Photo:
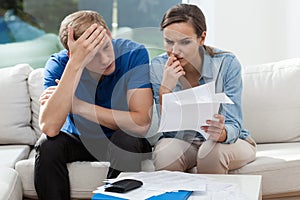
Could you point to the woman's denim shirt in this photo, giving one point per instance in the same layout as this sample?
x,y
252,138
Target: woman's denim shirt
x,y
223,68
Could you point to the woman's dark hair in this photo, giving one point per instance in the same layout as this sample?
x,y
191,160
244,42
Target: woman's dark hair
x,y
187,13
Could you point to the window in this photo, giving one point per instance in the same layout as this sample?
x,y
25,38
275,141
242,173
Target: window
x,y
120,15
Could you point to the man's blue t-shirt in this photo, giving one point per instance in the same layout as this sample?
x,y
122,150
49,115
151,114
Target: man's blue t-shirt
x,y
131,71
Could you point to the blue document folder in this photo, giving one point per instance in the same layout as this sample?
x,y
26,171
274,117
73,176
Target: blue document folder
x,y
180,195
99,196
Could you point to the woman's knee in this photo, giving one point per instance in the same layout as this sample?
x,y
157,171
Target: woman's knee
x,y
168,155
214,162
159,159
163,161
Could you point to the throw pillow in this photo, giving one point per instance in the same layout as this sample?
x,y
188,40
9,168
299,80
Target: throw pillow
x,y
271,99
35,86
15,115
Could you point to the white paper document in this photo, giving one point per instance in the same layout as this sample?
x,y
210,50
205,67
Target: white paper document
x,y
220,190
172,181
189,109
159,182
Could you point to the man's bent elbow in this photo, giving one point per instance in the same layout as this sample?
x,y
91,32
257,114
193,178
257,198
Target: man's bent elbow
x,y
49,130
145,126
143,130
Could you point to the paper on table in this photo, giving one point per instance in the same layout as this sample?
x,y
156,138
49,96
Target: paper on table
x,y
169,181
189,109
159,182
220,190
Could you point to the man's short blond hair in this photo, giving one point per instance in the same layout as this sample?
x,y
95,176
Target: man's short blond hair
x,y
80,21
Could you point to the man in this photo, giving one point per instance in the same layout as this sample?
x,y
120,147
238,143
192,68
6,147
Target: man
x,y
96,104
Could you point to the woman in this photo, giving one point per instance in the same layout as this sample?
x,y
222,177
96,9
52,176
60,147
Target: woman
x,y
187,63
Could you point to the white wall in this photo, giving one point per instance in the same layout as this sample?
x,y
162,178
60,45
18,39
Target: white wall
x,y
257,31
293,28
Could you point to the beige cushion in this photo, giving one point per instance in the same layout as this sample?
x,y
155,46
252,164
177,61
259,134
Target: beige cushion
x,y
271,101
10,184
15,115
84,177
35,86
279,165
10,154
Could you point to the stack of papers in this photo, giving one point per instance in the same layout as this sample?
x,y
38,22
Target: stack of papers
x,y
167,185
189,109
159,182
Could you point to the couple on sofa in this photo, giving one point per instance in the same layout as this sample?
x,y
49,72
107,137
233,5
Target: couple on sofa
x,y
98,98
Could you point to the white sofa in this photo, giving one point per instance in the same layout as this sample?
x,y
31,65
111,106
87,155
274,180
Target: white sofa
x,y
271,107
271,103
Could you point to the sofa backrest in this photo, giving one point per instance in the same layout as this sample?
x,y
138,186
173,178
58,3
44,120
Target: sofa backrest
x,y
35,88
271,101
18,102
20,105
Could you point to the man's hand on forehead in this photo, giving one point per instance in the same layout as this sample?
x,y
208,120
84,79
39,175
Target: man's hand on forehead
x,y
87,45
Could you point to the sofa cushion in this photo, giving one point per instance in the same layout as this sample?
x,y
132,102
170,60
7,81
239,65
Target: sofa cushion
x,y
84,181
271,99
33,52
84,177
10,154
35,86
279,165
15,116
10,184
